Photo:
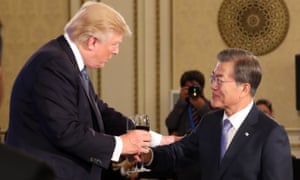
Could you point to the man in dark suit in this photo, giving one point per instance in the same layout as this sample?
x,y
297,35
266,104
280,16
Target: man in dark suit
x,y
256,147
55,114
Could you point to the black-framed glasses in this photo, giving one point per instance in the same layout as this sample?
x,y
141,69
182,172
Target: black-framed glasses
x,y
216,79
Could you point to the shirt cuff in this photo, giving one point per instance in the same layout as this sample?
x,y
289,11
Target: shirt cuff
x,y
123,172
151,159
155,139
118,149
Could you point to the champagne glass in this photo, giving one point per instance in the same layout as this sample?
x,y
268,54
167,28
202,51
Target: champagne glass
x,y
141,122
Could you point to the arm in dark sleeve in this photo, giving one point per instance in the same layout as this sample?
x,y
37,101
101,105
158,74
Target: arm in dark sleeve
x,y
277,159
115,122
167,158
173,118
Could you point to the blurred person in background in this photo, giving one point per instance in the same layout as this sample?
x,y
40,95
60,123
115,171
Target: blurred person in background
x,y
265,106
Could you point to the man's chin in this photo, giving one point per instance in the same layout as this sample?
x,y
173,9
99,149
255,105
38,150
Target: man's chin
x,y
100,65
215,104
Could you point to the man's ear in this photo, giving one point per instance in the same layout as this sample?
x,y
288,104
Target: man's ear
x,y
246,88
91,42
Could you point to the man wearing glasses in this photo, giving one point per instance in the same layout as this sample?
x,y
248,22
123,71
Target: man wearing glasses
x,y
237,142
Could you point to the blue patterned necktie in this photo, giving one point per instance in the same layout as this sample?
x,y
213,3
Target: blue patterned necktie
x,y
226,127
85,78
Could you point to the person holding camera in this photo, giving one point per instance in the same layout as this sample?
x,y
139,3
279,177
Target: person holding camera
x,y
191,105
187,114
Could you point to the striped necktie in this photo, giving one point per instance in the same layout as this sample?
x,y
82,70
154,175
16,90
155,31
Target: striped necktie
x,y
195,116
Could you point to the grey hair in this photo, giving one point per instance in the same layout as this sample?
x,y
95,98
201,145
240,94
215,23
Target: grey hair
x,y
246,66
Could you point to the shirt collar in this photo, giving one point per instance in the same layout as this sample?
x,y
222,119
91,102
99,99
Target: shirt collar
x,y
238,118
76,52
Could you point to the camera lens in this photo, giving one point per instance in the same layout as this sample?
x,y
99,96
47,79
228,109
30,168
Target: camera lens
x,y
194,91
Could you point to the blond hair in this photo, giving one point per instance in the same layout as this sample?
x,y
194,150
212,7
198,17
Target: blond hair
x,y
98,20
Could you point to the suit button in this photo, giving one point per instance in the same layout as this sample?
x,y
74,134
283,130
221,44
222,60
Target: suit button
x,y
95,161
98,162
92,159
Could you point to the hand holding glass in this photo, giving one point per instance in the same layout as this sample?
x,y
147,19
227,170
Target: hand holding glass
x,y
142,122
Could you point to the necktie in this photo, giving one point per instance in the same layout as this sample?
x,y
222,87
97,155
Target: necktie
x,y
195,116
226,127
85,78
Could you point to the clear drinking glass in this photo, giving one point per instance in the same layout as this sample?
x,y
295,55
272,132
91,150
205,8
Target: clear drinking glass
x,y
141,121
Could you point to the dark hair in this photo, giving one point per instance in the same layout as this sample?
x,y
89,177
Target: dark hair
x,y
192,75
265,102
246,67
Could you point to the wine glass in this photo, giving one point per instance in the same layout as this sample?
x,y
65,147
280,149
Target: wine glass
x,y
141,122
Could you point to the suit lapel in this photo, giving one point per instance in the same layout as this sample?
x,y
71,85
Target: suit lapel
x,y
242,136
90,96
96,108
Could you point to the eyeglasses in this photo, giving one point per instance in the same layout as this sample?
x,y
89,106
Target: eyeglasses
x,y
216,79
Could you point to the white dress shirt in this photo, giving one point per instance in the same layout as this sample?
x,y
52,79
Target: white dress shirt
x,y
236,120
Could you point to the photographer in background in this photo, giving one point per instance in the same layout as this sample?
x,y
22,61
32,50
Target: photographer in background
x,y
187,114
191,106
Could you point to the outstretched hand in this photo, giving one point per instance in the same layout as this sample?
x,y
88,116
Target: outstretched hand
x,y
165,140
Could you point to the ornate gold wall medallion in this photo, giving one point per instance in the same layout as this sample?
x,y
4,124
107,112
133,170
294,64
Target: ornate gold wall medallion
x,y
259,26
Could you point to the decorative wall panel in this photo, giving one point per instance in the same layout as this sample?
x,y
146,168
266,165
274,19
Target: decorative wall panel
x,y
256,25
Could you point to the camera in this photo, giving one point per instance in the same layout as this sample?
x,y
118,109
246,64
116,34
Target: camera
x,y
194,91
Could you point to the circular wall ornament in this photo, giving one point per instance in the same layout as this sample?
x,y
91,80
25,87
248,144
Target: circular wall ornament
x,y
259,26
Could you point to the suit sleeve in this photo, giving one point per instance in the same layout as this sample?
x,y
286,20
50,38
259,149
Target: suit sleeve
x,y
167,158
277,159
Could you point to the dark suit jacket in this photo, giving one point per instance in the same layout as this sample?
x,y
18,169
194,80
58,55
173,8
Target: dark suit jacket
x,y
260,150
15,165
52,116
